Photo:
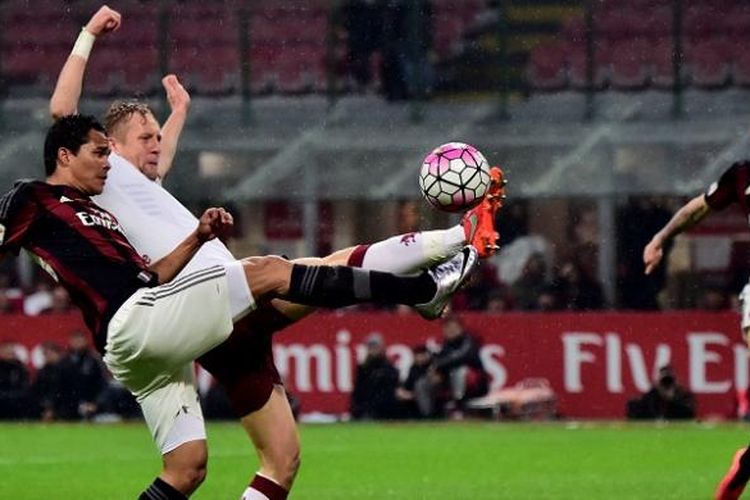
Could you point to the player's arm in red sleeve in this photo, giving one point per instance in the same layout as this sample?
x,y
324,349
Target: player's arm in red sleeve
x,y
718,196
686,217
179,103
213,223
69,85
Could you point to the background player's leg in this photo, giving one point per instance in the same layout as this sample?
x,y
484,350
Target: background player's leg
x,y
274,434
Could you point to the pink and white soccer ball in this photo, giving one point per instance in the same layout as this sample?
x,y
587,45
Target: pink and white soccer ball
x,y
454,177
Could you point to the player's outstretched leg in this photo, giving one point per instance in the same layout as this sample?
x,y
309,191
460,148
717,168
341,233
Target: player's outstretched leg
x,y
479,222
341,286
733,483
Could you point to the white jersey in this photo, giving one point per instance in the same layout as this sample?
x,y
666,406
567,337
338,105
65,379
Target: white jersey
x,y
153,220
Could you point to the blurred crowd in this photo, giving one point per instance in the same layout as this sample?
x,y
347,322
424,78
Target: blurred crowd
x,y
439,383
71,384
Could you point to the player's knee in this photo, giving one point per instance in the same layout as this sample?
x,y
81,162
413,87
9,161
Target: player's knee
x,y
188,473
285,465
194,476
267,275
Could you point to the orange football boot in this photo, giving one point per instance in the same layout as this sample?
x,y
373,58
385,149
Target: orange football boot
x,y
479,222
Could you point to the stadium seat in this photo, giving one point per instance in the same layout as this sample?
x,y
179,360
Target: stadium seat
x,y
656,22
700,22
576,56
736,23
615,25
741,62
547,69
140,68
662,70
630,63
207,70
708,63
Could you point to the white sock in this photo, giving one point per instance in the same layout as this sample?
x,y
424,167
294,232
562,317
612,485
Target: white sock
x,y
253,494
409,252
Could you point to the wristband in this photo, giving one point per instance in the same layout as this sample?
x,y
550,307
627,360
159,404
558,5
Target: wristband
x,y
83,45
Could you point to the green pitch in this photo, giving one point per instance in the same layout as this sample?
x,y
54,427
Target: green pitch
x,y
390,461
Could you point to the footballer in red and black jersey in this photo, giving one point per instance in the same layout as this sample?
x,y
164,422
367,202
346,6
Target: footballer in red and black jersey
x,y
80,244
733,187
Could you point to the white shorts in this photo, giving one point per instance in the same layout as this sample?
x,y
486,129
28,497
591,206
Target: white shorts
x,y
155,336
173,412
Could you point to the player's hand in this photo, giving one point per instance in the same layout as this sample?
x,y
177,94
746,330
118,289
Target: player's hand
x,y
105,20
178,97
652,255
215,222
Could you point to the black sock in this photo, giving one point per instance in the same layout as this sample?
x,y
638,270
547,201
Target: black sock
x,y
160,490
339,286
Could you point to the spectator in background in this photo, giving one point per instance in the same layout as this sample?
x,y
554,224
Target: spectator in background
x,y
666,399
363,24
61,303
375,382
532,282
50,388
514,221
6,305
499,301
38,301
115,402
413,394
713,299
406,44
576,290
636,223
547,300
457,373
14,384
83,375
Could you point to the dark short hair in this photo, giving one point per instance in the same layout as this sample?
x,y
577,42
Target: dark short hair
x,y
69,132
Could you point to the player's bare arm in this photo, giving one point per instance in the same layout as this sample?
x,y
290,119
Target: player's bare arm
x,y
215,222
69,85
179,103
686,217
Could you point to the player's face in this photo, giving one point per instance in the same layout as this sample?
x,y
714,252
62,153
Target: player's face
x,y
141,143
87,171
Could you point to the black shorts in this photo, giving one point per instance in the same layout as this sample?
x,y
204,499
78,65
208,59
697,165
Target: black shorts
x,y
243,364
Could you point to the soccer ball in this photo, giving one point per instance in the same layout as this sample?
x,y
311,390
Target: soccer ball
x,y
454,177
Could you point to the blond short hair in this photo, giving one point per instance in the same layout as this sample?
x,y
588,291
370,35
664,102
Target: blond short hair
x,y
121,111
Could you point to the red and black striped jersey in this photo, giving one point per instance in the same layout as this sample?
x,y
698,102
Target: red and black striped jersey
x,y
80,244
732,187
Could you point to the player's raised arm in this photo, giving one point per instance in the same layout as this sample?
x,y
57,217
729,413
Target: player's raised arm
x,y
213,223
69,85
686,217
179,103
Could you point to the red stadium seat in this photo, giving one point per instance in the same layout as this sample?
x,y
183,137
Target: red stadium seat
x,y
577,65
614,25
630,63
741,62
140,68
547,67
662,71
700,22
708,63
736,23
657,22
